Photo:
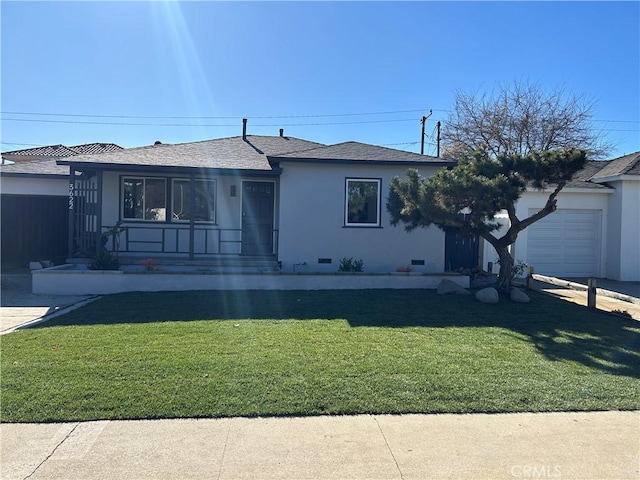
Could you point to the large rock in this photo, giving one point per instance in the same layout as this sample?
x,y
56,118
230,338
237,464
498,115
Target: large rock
x,y
488,295
447,287
519,296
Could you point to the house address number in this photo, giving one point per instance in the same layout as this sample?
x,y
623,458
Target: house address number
x,y
71,196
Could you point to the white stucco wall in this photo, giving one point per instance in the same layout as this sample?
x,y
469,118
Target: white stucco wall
x,y
582,199
488,254
312,206
623,248
587,199
614,237
34,186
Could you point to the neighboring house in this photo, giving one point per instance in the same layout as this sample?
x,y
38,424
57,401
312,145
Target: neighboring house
x,y
34,203
595,231
287,200
57,151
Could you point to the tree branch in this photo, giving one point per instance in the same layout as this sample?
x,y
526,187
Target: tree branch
x,y
549,208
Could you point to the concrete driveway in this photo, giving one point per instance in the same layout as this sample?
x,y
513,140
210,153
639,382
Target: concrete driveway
x,y
19,306
627,288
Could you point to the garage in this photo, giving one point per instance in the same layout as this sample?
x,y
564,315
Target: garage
x,y
566,243
33,228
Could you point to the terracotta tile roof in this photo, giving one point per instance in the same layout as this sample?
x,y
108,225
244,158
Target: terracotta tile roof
x,y
222,153
60,151
57,151
30,164
356,151
92,148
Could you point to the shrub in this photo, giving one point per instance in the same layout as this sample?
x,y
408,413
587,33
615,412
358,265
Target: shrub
x,y
351,265
151,265
104,260
519,270
405,268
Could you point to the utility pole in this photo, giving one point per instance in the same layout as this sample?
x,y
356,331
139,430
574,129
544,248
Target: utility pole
x,y
438,139
423,122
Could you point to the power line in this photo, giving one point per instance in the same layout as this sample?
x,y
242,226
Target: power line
x,y
139,124
404,143
79,122
145,117
237,117
22,144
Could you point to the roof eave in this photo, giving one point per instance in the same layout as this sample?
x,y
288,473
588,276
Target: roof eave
x,y
442,163
603,189
57,176
615,178
123,167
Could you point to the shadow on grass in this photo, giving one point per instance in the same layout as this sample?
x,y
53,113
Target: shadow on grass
x,y
560,330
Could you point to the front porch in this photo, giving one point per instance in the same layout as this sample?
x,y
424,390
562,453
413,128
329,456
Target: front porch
x,y
183,221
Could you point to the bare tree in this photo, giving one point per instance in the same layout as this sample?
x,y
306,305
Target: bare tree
x,y
521,119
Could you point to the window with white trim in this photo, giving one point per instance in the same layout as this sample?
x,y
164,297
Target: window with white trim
x,y
362,202
144,199
204,203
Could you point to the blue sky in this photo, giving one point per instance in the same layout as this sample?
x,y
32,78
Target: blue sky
x,y
132,73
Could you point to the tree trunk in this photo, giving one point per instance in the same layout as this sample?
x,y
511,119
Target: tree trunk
x,y
506,269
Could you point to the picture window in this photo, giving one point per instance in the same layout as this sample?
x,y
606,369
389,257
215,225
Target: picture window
x,y
362,202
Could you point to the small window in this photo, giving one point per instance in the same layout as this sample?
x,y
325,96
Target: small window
x,y
362,204
204,202
144,199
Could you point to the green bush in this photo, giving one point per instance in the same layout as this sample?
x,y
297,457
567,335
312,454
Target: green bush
x,y
351,265
104,260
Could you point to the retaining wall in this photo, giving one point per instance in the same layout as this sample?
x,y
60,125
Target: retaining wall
x,y
68,280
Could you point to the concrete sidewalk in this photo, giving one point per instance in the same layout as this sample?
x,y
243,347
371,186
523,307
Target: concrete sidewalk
x,y
579,445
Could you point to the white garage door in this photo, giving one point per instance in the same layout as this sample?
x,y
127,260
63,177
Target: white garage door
x,y
566,243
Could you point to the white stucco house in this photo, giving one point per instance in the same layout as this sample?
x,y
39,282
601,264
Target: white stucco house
x,y
271,200
595,231
301,206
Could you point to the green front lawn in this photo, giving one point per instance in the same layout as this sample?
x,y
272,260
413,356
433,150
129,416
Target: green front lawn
x,y
209,354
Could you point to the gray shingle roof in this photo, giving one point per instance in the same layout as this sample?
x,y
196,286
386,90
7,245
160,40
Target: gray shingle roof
x,y
223,153
625,165
355,151
581,178
35,167
255,153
